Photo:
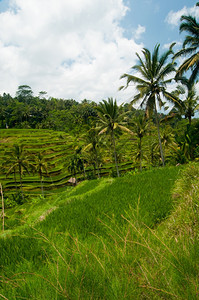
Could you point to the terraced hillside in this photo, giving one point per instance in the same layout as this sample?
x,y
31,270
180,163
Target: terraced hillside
x,y
56,148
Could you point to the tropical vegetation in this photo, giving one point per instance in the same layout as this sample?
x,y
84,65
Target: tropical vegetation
x,y
87,211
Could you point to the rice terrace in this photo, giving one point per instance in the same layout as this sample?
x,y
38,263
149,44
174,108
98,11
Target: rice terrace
x,y
101,200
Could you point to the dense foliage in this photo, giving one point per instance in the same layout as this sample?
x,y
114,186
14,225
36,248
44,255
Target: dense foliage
x,y
134,237
92,137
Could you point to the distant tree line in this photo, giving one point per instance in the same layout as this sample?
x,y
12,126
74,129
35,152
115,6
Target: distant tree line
x,y
27,111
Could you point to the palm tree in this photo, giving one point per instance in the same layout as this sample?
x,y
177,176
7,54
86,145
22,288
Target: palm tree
x,y
186,148
190,104
40,166
92,145
111,117
190,47
72,169
168,142
140,127
18,162
6,166
76,163
151,85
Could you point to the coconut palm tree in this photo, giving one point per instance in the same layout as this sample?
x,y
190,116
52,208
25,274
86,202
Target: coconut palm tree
x,y
111,117
18,162
140,127
72,169
154,71
190,104
76,163
92,146
190,47
40,166
168,142
6,168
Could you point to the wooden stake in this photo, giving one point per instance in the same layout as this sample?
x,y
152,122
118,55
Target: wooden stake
x,y
2,205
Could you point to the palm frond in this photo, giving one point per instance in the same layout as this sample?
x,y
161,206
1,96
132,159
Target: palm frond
x,y
189,62
190,25
165,71
142,68
155,59
162,61
194,73
124,128
103,131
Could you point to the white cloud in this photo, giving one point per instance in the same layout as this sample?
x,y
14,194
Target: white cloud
x,y
173,18
139,31
71,49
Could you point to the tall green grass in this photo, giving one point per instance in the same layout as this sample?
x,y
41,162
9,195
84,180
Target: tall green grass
x,y
110,239
81,215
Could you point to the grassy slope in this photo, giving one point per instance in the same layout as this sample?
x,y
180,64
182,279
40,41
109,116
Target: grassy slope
x,y
100,241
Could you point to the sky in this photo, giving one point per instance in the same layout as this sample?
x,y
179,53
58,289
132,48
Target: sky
x,y
79,49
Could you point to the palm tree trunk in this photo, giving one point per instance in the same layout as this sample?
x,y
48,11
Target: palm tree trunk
x,y
159,138
84,169
150,145
115,154
75,181
20,178
140,146
98,173
189,117
42,187
15,180
41,181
